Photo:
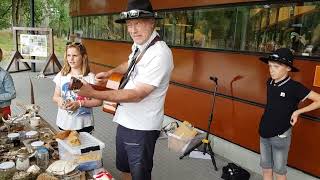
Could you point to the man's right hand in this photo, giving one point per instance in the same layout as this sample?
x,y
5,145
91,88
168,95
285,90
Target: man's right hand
x,y
102,77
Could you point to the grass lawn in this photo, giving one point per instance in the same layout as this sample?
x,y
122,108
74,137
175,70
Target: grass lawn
x,y
59,46
7,45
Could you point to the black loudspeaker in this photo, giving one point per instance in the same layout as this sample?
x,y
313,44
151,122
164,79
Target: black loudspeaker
x,y
234,172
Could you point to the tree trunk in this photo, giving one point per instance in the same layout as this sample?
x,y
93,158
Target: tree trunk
x,y
46,14
15,10
20,13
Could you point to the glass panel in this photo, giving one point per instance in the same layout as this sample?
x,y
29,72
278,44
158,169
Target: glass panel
x,y
90,27
180,28
113,31
103,27
94,27
215,28
83,26
253,28
160,25
310,30
169,28
266,28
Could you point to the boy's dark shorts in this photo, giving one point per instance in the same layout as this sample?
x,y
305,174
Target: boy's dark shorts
x,y
135,149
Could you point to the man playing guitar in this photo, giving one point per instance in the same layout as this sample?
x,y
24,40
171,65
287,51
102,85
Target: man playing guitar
x,y
141,96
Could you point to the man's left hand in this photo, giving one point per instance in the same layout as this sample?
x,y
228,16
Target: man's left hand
x,y
86,90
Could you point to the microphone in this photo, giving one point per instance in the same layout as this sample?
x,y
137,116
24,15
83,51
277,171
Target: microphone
x,y
214,79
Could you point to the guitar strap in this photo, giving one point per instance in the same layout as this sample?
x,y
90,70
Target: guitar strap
x,y
134,62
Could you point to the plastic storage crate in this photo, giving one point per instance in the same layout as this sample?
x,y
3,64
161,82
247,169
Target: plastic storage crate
x,y
179,140
177,143
88,155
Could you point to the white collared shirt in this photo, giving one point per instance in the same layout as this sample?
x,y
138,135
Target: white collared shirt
x,y
154,69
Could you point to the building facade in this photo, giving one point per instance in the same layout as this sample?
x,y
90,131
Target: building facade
x,y
222,39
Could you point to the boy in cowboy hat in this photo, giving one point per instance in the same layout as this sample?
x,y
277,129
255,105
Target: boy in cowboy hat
x,y
7,91
281,113
142,93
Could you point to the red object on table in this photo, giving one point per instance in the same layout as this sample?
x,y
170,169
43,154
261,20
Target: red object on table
x,y
103,175
5,111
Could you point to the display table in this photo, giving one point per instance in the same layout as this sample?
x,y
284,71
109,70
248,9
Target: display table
x,y
24,151
16,138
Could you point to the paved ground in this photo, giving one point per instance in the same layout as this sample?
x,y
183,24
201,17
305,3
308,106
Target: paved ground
x,y
167,165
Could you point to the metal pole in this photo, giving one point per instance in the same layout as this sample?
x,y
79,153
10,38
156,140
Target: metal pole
x,y
32,12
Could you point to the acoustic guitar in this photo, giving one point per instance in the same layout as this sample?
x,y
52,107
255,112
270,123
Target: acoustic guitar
x,y
113,83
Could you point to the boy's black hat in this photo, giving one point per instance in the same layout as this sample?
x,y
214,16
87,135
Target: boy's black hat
x,y
138,9
283,56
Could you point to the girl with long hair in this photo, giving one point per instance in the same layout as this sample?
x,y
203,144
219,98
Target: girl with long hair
x,y
74,112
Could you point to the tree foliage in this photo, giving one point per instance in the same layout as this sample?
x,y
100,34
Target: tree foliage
x,y
5,13
48,13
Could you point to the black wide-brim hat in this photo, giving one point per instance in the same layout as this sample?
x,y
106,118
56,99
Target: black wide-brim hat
x,y
283,56
144,9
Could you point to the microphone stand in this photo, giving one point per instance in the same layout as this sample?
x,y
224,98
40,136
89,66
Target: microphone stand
x,y
206,142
